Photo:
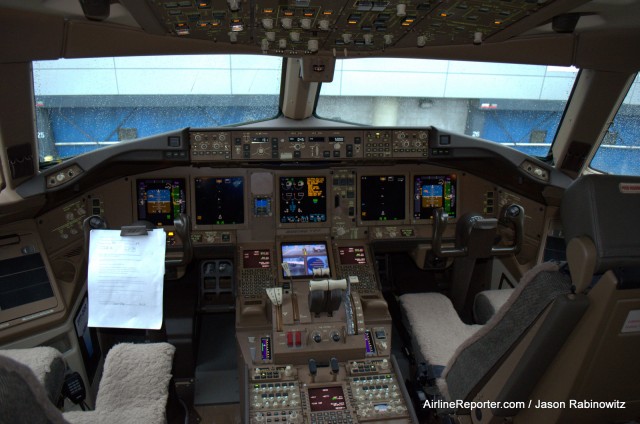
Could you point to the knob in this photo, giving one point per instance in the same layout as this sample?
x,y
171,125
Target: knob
x,y
305,23
368,39
295,36
265,45
271,36
312,45
259,417
317,338
346,38
324,25
233,37
335,337
234,5
282,43
388,39
401,9
60,177
288,371
422,41
513,211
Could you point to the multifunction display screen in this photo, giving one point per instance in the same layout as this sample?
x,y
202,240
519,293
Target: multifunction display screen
x,y
327,399
382,197
303,199
303,258
431,192
219,200
352,255
256,258
160,201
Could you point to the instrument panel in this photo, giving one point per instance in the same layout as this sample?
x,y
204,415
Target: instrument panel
x,y
261,184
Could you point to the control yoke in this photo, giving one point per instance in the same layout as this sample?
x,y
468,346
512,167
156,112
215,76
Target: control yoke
x,y
475,238
182,224
475,234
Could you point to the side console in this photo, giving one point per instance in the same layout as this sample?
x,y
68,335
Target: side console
x,y
315,339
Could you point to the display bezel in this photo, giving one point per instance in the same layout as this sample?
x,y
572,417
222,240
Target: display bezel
x,y
451,219
319,240
243,260
193,199
365,223
136,193
354,262
278,203
454,179
311,391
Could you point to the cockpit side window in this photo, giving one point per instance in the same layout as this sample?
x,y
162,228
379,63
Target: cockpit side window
x,y
517,105
87,104
619,151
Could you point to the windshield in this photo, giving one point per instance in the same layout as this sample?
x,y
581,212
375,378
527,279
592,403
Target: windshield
x,y
619,151
87,104
517,105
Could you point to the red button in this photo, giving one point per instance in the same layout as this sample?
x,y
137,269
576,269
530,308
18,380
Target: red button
x,y
298,339
289,339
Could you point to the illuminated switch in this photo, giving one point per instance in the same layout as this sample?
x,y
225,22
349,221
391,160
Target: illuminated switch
x,y
298,341
267,23
289,339
305,23
287,23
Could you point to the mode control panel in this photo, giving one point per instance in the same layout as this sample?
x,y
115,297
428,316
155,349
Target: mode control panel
x,y
308,145
295,145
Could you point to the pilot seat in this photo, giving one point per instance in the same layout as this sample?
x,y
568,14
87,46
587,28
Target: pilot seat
x,y
558,335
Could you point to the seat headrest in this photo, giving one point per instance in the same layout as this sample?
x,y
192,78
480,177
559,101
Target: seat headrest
x,y
605,208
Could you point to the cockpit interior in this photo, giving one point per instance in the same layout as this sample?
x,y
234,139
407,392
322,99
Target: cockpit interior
x,y
303,211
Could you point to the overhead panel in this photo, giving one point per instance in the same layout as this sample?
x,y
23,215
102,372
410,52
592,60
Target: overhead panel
x,y
302,27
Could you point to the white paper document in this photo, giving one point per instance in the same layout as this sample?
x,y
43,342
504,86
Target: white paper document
x,y
125,279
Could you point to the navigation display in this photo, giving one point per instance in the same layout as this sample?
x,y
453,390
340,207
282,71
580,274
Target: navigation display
x,y
327,399
303,199
303,258
219,200
352,255
256,258
434,191
382,197
160,201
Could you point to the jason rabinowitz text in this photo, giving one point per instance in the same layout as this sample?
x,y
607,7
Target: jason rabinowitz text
x,y
538,404
581,404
